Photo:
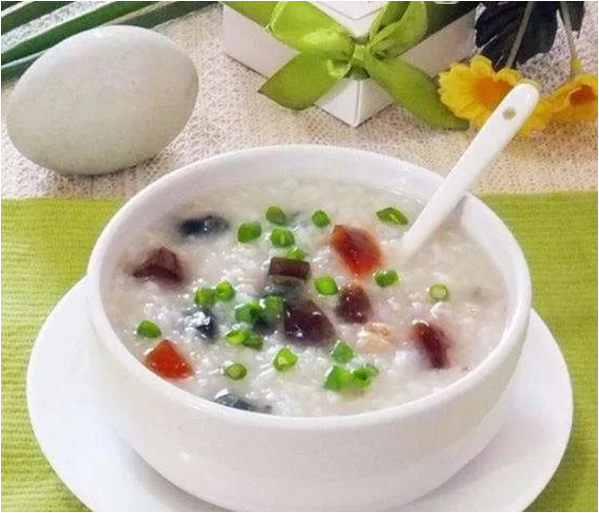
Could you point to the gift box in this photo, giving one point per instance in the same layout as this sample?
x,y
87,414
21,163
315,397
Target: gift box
x,y
449,38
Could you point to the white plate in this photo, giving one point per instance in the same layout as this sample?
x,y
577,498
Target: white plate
x,y
75,434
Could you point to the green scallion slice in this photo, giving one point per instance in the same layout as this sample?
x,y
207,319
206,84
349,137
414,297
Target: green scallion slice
x,y
282,238
342,353
391,215
235,371
321,219
271,308
284,360
148,329
247,312
276,215
296,253
338,378
371,369
326,285
225,291
238,336
248,232
204,297
254,341
386,278
438,292
361,378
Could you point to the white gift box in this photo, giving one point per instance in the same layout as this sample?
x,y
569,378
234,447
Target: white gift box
x,y
352,101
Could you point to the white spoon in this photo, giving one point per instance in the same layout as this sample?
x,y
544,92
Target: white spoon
x,y
495,134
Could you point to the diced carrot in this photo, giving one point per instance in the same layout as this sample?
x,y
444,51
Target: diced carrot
x,y
166,361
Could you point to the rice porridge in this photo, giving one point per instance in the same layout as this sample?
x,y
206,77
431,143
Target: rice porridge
x,y
288,298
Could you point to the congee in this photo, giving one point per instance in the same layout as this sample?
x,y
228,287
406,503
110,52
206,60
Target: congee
x,y
289,298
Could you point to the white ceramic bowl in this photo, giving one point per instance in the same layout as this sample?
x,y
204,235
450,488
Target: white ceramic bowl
x,y
250,461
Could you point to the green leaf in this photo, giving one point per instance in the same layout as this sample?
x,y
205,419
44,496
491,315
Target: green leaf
x,y
415,90
44,40
26,12
156,14
498,24
6,5
402,35
303,80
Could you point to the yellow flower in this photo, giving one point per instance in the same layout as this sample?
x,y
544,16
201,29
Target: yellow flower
x,y
474,91
576,100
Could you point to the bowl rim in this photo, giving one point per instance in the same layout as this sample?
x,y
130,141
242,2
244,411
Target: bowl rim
x,y
110,340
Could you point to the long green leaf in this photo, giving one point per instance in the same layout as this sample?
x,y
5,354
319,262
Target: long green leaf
x,y
168,11
147,18
6,5
58,33
27,12
17,67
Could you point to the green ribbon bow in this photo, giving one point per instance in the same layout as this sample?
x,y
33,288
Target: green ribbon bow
x,y
328,53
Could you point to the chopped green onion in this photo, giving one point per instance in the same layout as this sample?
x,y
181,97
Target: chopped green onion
x,y
254,341
371,369
296,253
391,215
284,360
238,336
248,232
438,292
225,291
147,329
271,308
386,278
321,219
235,371
247,312
342,353
326,285
361,378
276,215
282,238
338,378
205,296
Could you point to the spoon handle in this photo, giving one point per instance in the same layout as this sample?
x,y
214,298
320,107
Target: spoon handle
x,y
496,133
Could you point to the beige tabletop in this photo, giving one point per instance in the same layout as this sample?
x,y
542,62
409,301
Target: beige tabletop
x,y
230,115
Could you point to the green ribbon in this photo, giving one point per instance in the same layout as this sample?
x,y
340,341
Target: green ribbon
x,y
328,53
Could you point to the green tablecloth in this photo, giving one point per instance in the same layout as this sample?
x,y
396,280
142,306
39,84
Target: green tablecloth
x,y
45,248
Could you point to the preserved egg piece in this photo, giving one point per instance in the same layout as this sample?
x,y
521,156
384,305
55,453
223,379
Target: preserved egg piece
x,y
286,276
354,305
232,400
282,268
160,265
306,322
203,226
359,250
166,361
434,342
204,322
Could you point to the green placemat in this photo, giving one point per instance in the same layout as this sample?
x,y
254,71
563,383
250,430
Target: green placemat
x,y
46,243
